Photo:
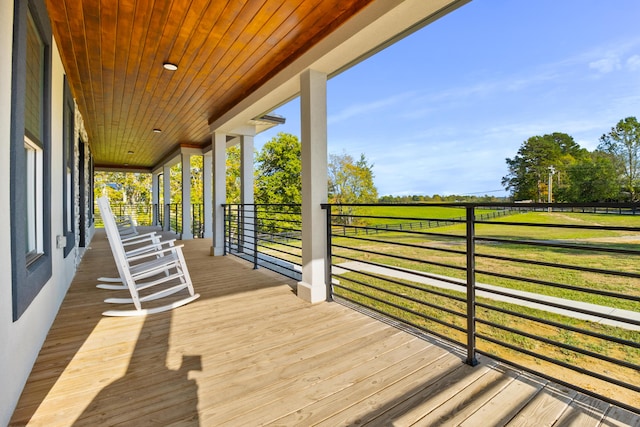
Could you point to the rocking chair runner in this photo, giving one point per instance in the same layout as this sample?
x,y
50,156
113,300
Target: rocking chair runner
x,y
158,273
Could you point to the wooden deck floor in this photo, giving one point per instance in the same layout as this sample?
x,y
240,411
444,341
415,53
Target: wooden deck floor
x,y
249,352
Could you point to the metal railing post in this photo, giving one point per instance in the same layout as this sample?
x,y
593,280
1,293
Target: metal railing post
x,y
328,279
225,231
255,237
471,288
240,228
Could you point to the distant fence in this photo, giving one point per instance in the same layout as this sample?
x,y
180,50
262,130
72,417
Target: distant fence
x,y
354,229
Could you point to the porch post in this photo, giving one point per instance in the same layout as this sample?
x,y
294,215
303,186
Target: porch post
x,y
313,115
166,194
218,149
246,192
155,198
207,163
187,233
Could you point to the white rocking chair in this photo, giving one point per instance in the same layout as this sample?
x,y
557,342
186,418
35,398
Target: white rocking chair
x,y
143,243
163,269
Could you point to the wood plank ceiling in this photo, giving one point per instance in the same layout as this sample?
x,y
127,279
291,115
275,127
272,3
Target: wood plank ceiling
x,y
113,51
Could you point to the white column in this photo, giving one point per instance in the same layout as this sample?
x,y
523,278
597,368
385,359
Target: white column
x,y
246,191
166,193
219,149
313,116
207,163
155,198
187,234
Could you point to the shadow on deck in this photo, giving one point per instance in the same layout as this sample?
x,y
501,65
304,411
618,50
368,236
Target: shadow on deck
x,y
249,352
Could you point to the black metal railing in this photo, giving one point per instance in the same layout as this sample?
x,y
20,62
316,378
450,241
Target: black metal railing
x,y
268,235
142,215
197,220
551,289
556,293
174,212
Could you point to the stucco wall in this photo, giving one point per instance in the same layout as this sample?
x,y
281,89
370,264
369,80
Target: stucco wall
x,y
20,341
7,396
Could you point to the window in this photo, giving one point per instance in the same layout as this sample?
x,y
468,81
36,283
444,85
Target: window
x,y
33,112
30,153
68,160
33,194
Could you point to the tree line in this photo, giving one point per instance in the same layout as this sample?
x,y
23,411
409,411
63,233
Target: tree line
x,y
556,163
277,178
437,198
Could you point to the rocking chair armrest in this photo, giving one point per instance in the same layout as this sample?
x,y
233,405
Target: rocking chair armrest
x,y
154,253
137,237
150,238
154,247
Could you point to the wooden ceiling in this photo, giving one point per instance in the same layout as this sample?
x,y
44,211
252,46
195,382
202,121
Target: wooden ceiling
x,y
113,51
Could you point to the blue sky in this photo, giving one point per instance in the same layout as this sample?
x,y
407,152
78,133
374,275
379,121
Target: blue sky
x,y
438,112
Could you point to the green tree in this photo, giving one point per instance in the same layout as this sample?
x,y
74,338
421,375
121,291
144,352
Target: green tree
x,y
123,187
623,144
529,169
349,181
197,183
593,179
233,174
278,168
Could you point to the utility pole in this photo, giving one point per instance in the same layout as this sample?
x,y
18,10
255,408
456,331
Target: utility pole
x,y
552,170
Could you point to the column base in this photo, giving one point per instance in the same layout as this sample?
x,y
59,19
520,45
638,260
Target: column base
x,y
312,294
216,251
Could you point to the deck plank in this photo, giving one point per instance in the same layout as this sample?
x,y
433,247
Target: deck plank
x,y
583,411
468,400
411,409
249,352
545,408
519,393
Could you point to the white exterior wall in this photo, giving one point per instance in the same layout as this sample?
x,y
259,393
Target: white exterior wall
x,y
20,341
10,389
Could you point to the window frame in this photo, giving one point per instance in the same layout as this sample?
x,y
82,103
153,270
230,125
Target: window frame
x,y
68,170
29,275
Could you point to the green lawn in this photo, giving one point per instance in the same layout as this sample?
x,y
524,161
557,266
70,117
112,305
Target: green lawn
x,y
396,214
436,252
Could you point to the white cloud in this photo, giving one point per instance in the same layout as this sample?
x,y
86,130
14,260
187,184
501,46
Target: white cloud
x,y
356,110
606,65
633,63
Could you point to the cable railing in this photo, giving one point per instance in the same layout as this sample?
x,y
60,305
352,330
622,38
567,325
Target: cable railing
x,y
142,214
268,235
555,293
553,289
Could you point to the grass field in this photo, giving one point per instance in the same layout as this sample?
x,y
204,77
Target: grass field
x,y
404,214
447,256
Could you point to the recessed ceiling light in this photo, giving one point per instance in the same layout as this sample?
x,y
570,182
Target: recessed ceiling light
x,y
169,66
156,130
129,152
